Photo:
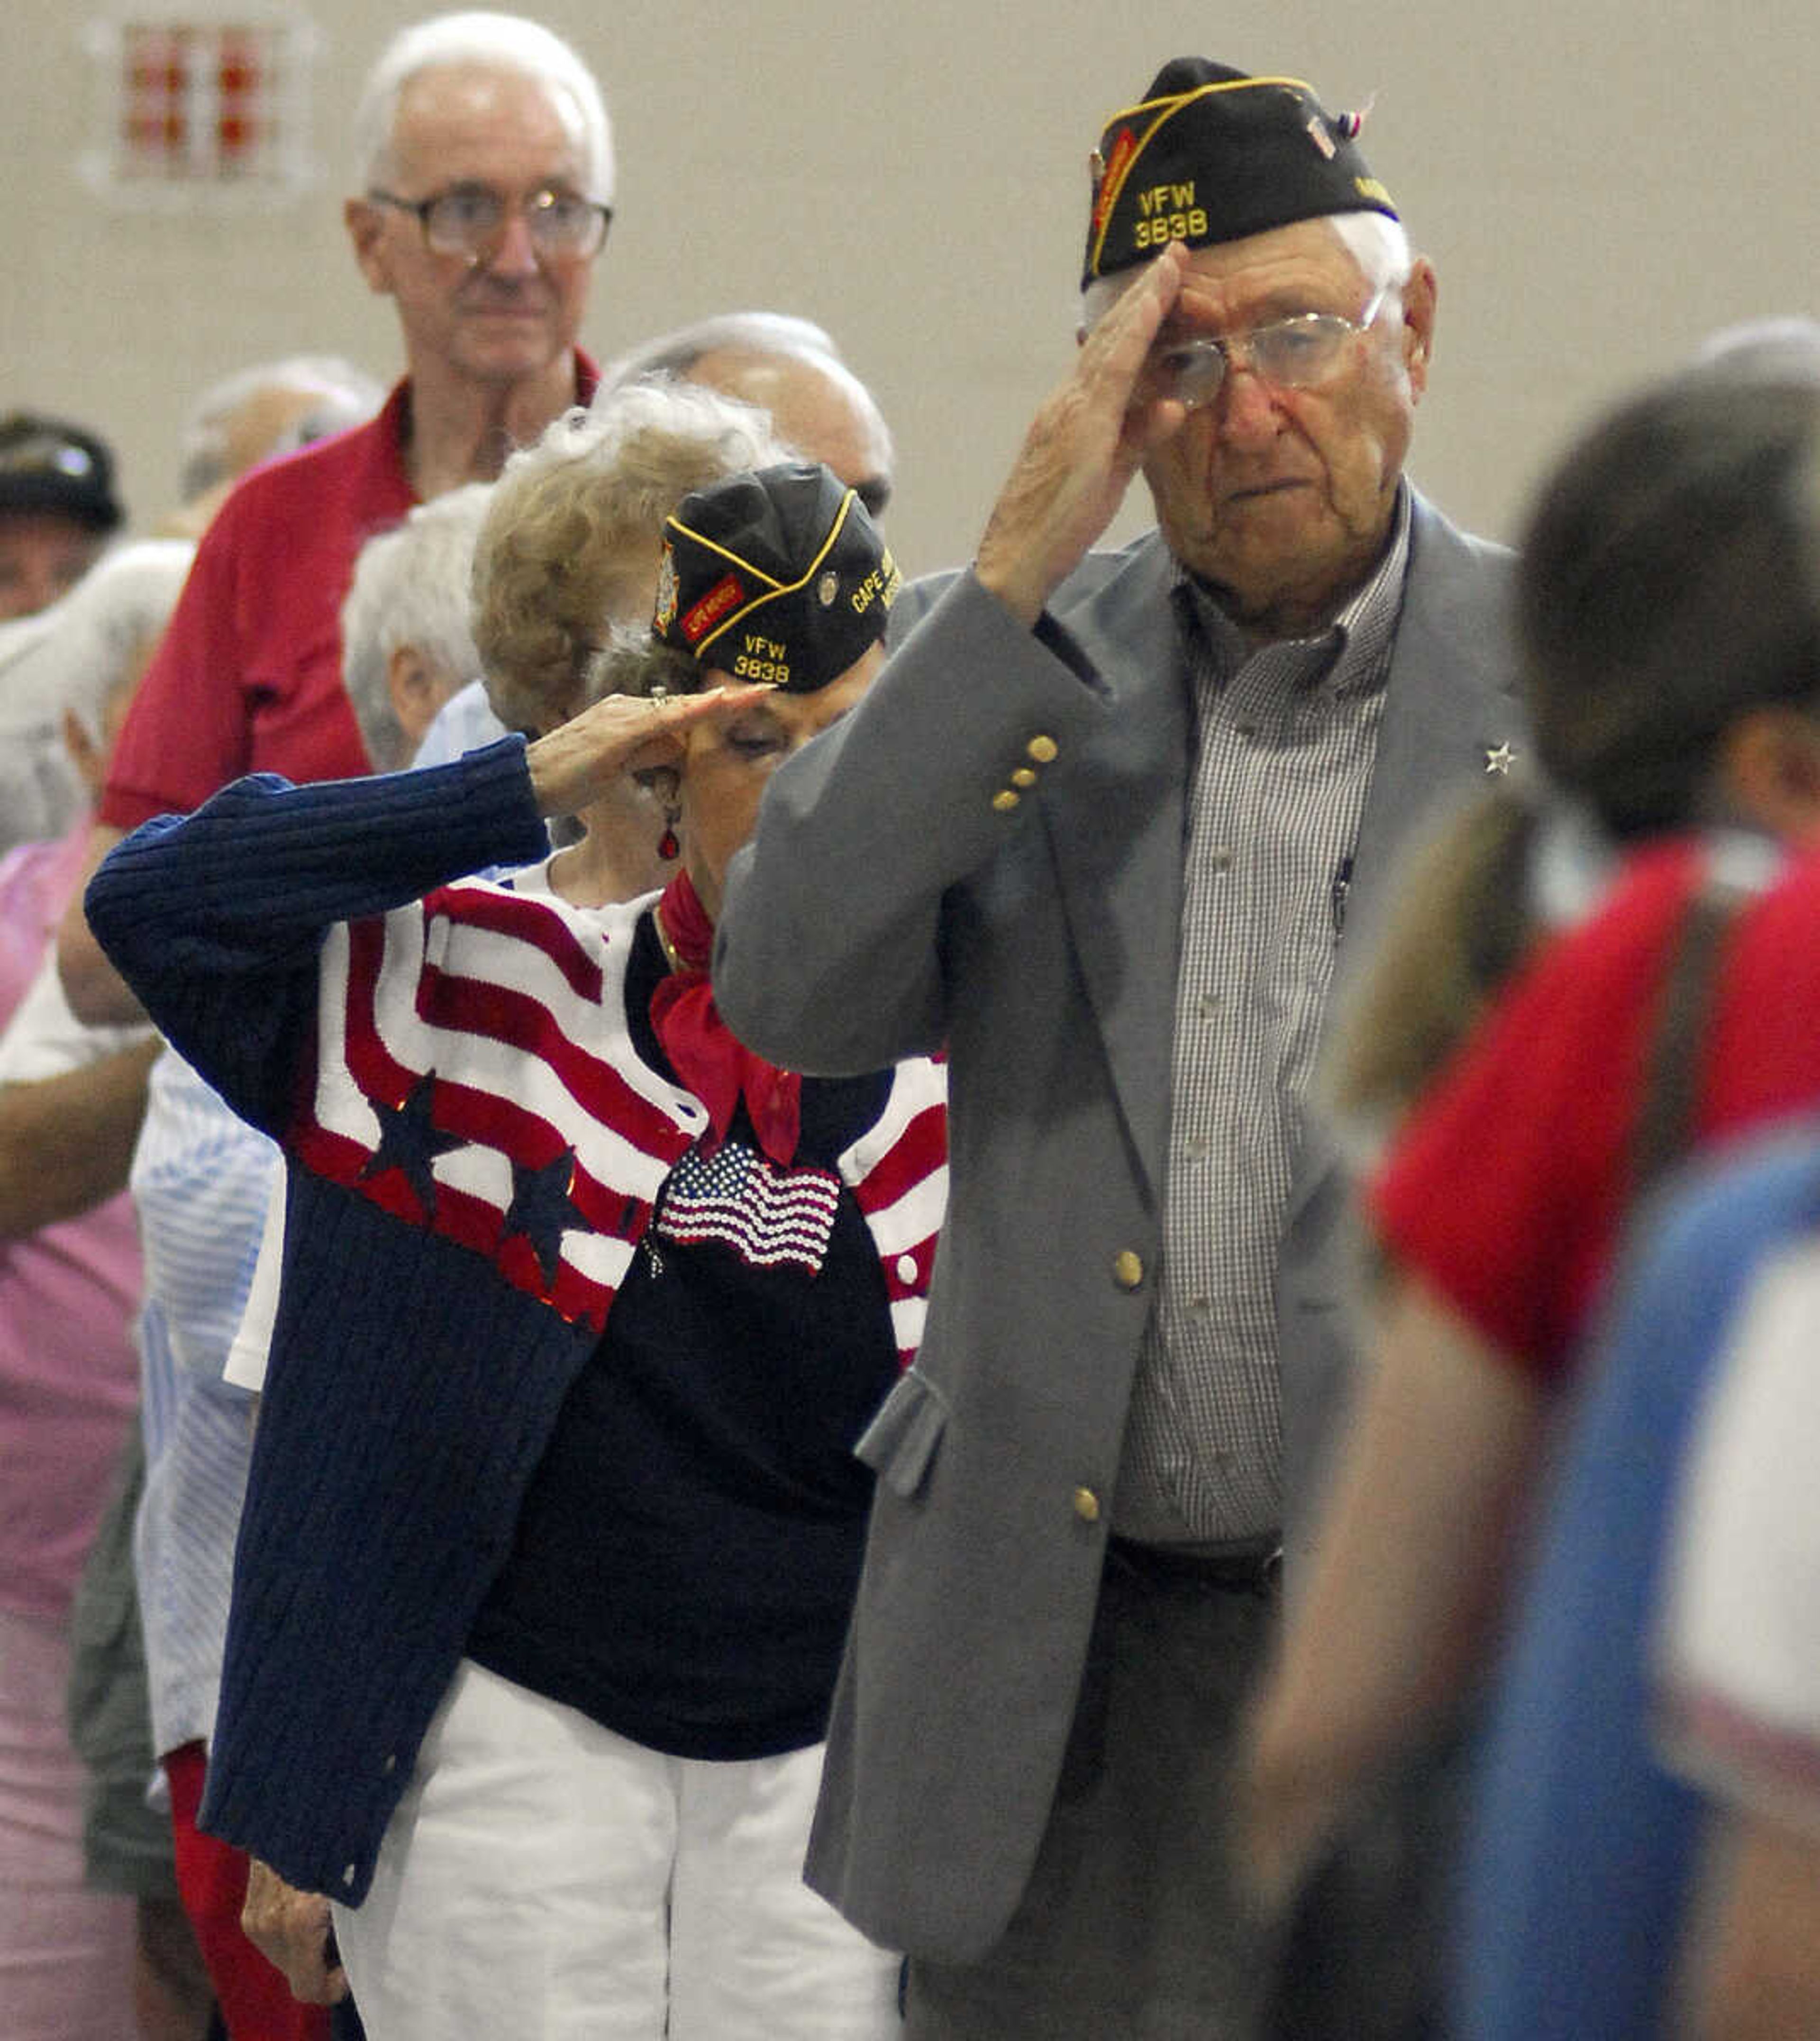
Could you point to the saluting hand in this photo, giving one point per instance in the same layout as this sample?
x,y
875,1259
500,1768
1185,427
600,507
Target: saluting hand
x,y
1084,445
574,764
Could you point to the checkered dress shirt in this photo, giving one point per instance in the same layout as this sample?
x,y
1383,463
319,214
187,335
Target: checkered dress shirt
x,y
1285,738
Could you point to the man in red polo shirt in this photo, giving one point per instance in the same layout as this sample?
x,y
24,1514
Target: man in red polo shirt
x,y
486,163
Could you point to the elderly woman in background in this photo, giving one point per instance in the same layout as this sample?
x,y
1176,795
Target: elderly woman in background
x,y
65,662
554,1520
251,416
72,670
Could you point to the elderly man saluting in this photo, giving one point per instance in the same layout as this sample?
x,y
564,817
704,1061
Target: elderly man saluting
x,y
1097,828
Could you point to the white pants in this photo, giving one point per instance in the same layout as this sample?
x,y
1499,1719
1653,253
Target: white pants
x,y
546,1879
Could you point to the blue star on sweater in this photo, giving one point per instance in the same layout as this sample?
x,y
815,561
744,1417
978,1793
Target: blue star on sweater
x,y
409,1143
540,1211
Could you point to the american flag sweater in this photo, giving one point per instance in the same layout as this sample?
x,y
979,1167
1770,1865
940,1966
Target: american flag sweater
x,y
476,1148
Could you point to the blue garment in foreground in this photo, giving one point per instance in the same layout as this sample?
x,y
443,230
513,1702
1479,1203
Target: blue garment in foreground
x,y
1582,1847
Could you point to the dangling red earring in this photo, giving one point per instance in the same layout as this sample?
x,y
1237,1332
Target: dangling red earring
x,y
667,846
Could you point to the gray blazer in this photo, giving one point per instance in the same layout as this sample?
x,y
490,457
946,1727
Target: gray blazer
x,y
897,898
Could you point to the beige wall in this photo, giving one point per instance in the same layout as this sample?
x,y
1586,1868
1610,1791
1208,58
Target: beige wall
x,y
1600,184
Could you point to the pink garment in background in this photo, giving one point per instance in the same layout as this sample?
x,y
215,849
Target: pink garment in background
x,y
69,1385
69,1371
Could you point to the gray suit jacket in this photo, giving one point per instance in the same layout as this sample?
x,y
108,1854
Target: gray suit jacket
x,y
893,901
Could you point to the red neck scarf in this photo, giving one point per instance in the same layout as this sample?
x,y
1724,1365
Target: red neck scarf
x,y
703,1050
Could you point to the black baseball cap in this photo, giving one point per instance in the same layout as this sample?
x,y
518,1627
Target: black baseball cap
x,y
50,466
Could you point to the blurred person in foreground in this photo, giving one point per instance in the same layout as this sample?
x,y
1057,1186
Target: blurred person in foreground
x,y
1102,829
486,165
1649,1764
1644,1815
1666,566
1736,1688
1517,862
552,1226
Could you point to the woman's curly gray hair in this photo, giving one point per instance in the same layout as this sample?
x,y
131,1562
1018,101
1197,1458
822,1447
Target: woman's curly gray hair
x,y
570,543
633,661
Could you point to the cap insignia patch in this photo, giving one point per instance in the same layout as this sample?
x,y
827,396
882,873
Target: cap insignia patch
x,y
726,594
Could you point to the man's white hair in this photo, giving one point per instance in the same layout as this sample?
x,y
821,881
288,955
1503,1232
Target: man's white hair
x,y
766,336
1788,345
493,42
1380,245
411,587
345,396
675,353
77,655
107,622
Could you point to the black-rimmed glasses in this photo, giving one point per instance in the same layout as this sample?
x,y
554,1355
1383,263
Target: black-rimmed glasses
x,y
470,220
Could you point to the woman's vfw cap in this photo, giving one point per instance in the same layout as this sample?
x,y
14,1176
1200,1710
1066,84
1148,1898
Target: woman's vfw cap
x,y
779,576
1212,154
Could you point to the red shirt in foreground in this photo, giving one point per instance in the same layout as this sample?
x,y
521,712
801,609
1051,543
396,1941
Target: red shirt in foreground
x,y
1508,1186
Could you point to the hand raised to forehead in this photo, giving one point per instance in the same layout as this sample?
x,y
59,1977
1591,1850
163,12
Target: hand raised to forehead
x,y
1083,447
573,765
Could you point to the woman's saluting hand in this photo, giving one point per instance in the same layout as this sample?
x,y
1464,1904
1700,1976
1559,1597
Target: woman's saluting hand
x,y
576,763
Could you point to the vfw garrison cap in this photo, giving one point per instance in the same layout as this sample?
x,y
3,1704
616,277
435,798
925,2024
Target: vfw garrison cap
x,y
1211,155
778,576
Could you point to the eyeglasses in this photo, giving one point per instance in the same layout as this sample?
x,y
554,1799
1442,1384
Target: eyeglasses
x,y
1294,353
470,220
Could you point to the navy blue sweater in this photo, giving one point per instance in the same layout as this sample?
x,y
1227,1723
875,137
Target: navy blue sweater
x,y
476,1150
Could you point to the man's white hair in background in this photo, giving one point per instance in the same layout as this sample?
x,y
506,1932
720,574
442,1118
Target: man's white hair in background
x,y
77,658
407,639
791,368
221,435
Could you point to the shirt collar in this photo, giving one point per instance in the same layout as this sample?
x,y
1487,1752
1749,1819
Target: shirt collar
x,y
1350,649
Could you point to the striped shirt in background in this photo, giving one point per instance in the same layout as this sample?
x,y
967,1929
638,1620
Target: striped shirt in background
x,y
201,1179
1285,737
